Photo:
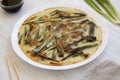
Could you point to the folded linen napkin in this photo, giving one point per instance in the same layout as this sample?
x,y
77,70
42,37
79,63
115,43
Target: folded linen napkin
x,y
107,70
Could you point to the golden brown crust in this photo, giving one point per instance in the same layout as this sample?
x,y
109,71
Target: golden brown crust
x,y
73,33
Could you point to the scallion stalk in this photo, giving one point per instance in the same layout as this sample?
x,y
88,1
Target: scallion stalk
x,y
105,5
111,13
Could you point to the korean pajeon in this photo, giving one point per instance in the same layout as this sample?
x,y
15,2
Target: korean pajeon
x,y
59,36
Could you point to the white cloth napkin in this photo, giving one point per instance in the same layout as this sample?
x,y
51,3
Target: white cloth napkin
x,y
107,70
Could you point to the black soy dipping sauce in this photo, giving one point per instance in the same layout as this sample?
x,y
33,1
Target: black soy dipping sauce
x,y
11,5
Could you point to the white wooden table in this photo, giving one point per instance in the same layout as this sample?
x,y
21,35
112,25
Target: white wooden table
x,y
28,72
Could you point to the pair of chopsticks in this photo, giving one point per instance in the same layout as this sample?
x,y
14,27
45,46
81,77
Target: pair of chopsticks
x,y
15,68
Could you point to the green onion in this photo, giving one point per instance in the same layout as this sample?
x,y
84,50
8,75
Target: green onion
x,y
105,5
38,33
39,47
110,12
21,38
113,8
94,6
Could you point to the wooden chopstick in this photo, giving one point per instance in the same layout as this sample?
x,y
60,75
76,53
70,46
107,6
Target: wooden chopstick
x,y
17,72
8,64
15,68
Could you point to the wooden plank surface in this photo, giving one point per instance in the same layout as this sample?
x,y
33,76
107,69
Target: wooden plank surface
x,y
28,72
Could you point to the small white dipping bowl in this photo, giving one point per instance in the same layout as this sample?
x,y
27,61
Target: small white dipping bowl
x,y
84,8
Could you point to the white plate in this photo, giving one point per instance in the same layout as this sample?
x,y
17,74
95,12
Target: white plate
x,y
93,14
